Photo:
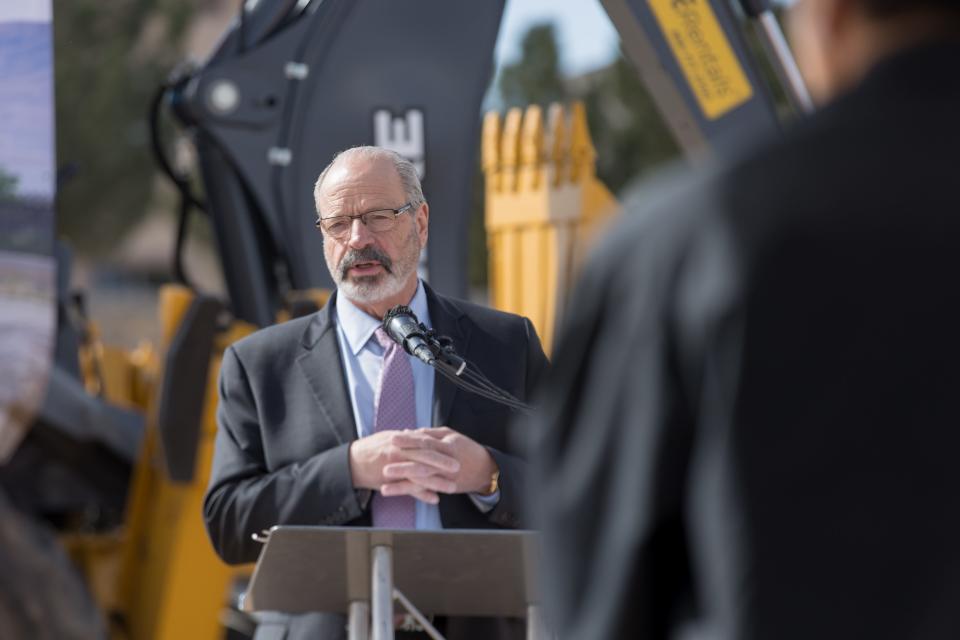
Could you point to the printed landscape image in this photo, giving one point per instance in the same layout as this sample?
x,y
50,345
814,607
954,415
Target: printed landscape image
x,y
27,186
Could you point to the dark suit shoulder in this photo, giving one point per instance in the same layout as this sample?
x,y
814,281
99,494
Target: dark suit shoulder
x,y
498,325
276,340
485,314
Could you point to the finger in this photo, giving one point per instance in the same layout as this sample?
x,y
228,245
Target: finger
x,y
428,480
438,433
435,483
409,488
408,470
444,462
417,440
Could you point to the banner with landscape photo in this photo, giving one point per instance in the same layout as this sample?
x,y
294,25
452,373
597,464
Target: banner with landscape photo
x,y
27,225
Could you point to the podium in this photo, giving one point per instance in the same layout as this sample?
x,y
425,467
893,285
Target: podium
x,y
361,571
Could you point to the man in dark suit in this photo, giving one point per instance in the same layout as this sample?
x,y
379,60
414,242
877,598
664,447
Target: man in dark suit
x,y
324,421
751,424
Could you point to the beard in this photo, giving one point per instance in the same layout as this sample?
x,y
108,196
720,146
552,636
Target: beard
x,y
388,283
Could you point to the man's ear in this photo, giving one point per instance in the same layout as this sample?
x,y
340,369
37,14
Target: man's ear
x,y
822,32
850,43
422,220
839,16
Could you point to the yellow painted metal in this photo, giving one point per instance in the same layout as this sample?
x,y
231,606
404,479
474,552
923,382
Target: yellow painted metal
x,y
158,574
544,205
318,297
172,585
97,556
705,55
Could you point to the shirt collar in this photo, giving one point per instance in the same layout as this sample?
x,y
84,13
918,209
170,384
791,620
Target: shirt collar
x,y
358,326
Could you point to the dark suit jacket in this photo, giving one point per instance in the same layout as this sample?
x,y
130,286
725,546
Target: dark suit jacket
x,y
752,424
286,423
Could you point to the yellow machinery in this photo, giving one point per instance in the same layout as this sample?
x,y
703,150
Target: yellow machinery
x,y
171,584
544,204
158,577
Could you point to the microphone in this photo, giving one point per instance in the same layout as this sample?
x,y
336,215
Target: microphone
x,y
403,328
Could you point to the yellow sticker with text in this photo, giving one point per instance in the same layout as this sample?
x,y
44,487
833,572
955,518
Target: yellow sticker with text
x,y
704,53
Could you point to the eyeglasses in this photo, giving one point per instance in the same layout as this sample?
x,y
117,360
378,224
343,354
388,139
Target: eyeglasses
x,y
377,221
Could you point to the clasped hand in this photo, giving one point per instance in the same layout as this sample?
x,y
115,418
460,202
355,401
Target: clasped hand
x,y
422,463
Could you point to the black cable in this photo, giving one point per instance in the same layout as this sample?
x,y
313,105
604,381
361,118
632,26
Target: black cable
x,y
458,370
478,378
179,181
187,199
242,28
472,373
484,394
481,383
448,372
179,272
466,372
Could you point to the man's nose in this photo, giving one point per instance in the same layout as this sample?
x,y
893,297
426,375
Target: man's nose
x,y
360,235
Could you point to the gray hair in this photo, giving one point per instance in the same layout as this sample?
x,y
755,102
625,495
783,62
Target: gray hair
x,y
405,169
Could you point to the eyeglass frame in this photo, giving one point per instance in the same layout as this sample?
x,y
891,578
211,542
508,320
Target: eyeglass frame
x,y
362,216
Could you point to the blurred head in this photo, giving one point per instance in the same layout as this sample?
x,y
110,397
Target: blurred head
x,y
837,41
376,268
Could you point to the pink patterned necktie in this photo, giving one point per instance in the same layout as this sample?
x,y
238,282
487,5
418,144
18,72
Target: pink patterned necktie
x,y
394,408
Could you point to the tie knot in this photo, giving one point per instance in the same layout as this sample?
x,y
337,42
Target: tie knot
x,y
385,341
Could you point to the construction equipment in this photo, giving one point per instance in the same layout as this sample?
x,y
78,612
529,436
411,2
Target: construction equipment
x,y
544,205
266,121
120,457
694,58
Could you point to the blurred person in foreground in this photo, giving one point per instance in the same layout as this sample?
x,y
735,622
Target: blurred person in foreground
x,y
752,426
324,420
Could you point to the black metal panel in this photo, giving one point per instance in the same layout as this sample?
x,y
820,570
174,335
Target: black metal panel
x,y
246,248
183,389
340,73
389,64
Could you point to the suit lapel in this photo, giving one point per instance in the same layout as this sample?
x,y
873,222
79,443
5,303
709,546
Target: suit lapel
x,y
447,321
321,365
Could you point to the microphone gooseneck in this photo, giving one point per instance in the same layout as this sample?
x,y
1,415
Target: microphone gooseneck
x,y
403,327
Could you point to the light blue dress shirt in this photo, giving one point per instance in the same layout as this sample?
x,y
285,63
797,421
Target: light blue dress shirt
x,y
363,361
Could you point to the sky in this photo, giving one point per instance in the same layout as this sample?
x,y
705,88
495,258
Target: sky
x,y
586,36
26,105
25,10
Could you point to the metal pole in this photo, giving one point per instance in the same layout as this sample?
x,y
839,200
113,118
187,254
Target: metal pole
x,y
381,588
536,629
784,61
358,627
428,628
781,58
